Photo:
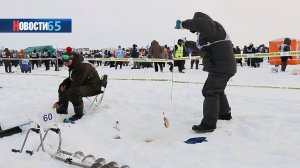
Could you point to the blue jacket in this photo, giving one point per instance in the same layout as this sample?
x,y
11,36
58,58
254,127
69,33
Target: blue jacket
x,y
120,53
25,65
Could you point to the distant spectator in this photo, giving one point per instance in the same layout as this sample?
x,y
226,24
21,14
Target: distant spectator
x,y
250,50
46,56
25,65
58,62
170,57
260,49
285,47
111,63
120,53
35,56
186,53
21,54
135,54
178,53
195,60
98,55
237,50
15,56
156,50
7,62
164,54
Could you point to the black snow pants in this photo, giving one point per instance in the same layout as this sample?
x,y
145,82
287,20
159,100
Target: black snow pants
x,y
215,100
75,94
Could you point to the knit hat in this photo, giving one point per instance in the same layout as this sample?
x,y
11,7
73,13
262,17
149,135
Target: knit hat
x,y
69,51
180,41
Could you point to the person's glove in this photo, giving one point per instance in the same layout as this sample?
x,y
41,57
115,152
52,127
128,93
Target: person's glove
x,y
178,24
55,105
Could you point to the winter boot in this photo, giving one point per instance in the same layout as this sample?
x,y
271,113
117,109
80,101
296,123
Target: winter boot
x,y
78,113
226,116
61,108
202,128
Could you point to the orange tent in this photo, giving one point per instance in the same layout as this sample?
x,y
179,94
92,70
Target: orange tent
x,y
274,47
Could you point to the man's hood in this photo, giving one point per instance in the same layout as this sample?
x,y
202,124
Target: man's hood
x,y
76,60
154,42
201,15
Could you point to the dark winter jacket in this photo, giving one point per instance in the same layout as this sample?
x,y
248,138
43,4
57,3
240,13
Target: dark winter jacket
x,y
134,53
213,43
250,49
237,50
46,54
285,47
155,50
82,73
6,54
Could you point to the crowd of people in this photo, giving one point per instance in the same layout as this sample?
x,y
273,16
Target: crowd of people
x,y
28,62
250,49
156,51
255,62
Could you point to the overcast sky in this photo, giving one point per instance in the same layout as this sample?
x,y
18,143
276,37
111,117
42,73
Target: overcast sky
x,y
108,23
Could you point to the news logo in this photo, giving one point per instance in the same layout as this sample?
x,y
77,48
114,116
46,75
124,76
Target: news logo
x,y
35,25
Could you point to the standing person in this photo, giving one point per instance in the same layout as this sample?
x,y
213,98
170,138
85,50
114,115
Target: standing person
x,y
250,50
155,51
285,47
34,56
178,53
164,54
170,57
83,81
46,56
97,56
119,54
218,60
195,60
237,50
21,54
186,53
261,49
135,54
7,62
57,60
15,56
111,63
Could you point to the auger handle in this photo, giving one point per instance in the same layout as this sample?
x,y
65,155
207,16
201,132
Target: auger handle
x,y
36,130
15,150
56,130
29,152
